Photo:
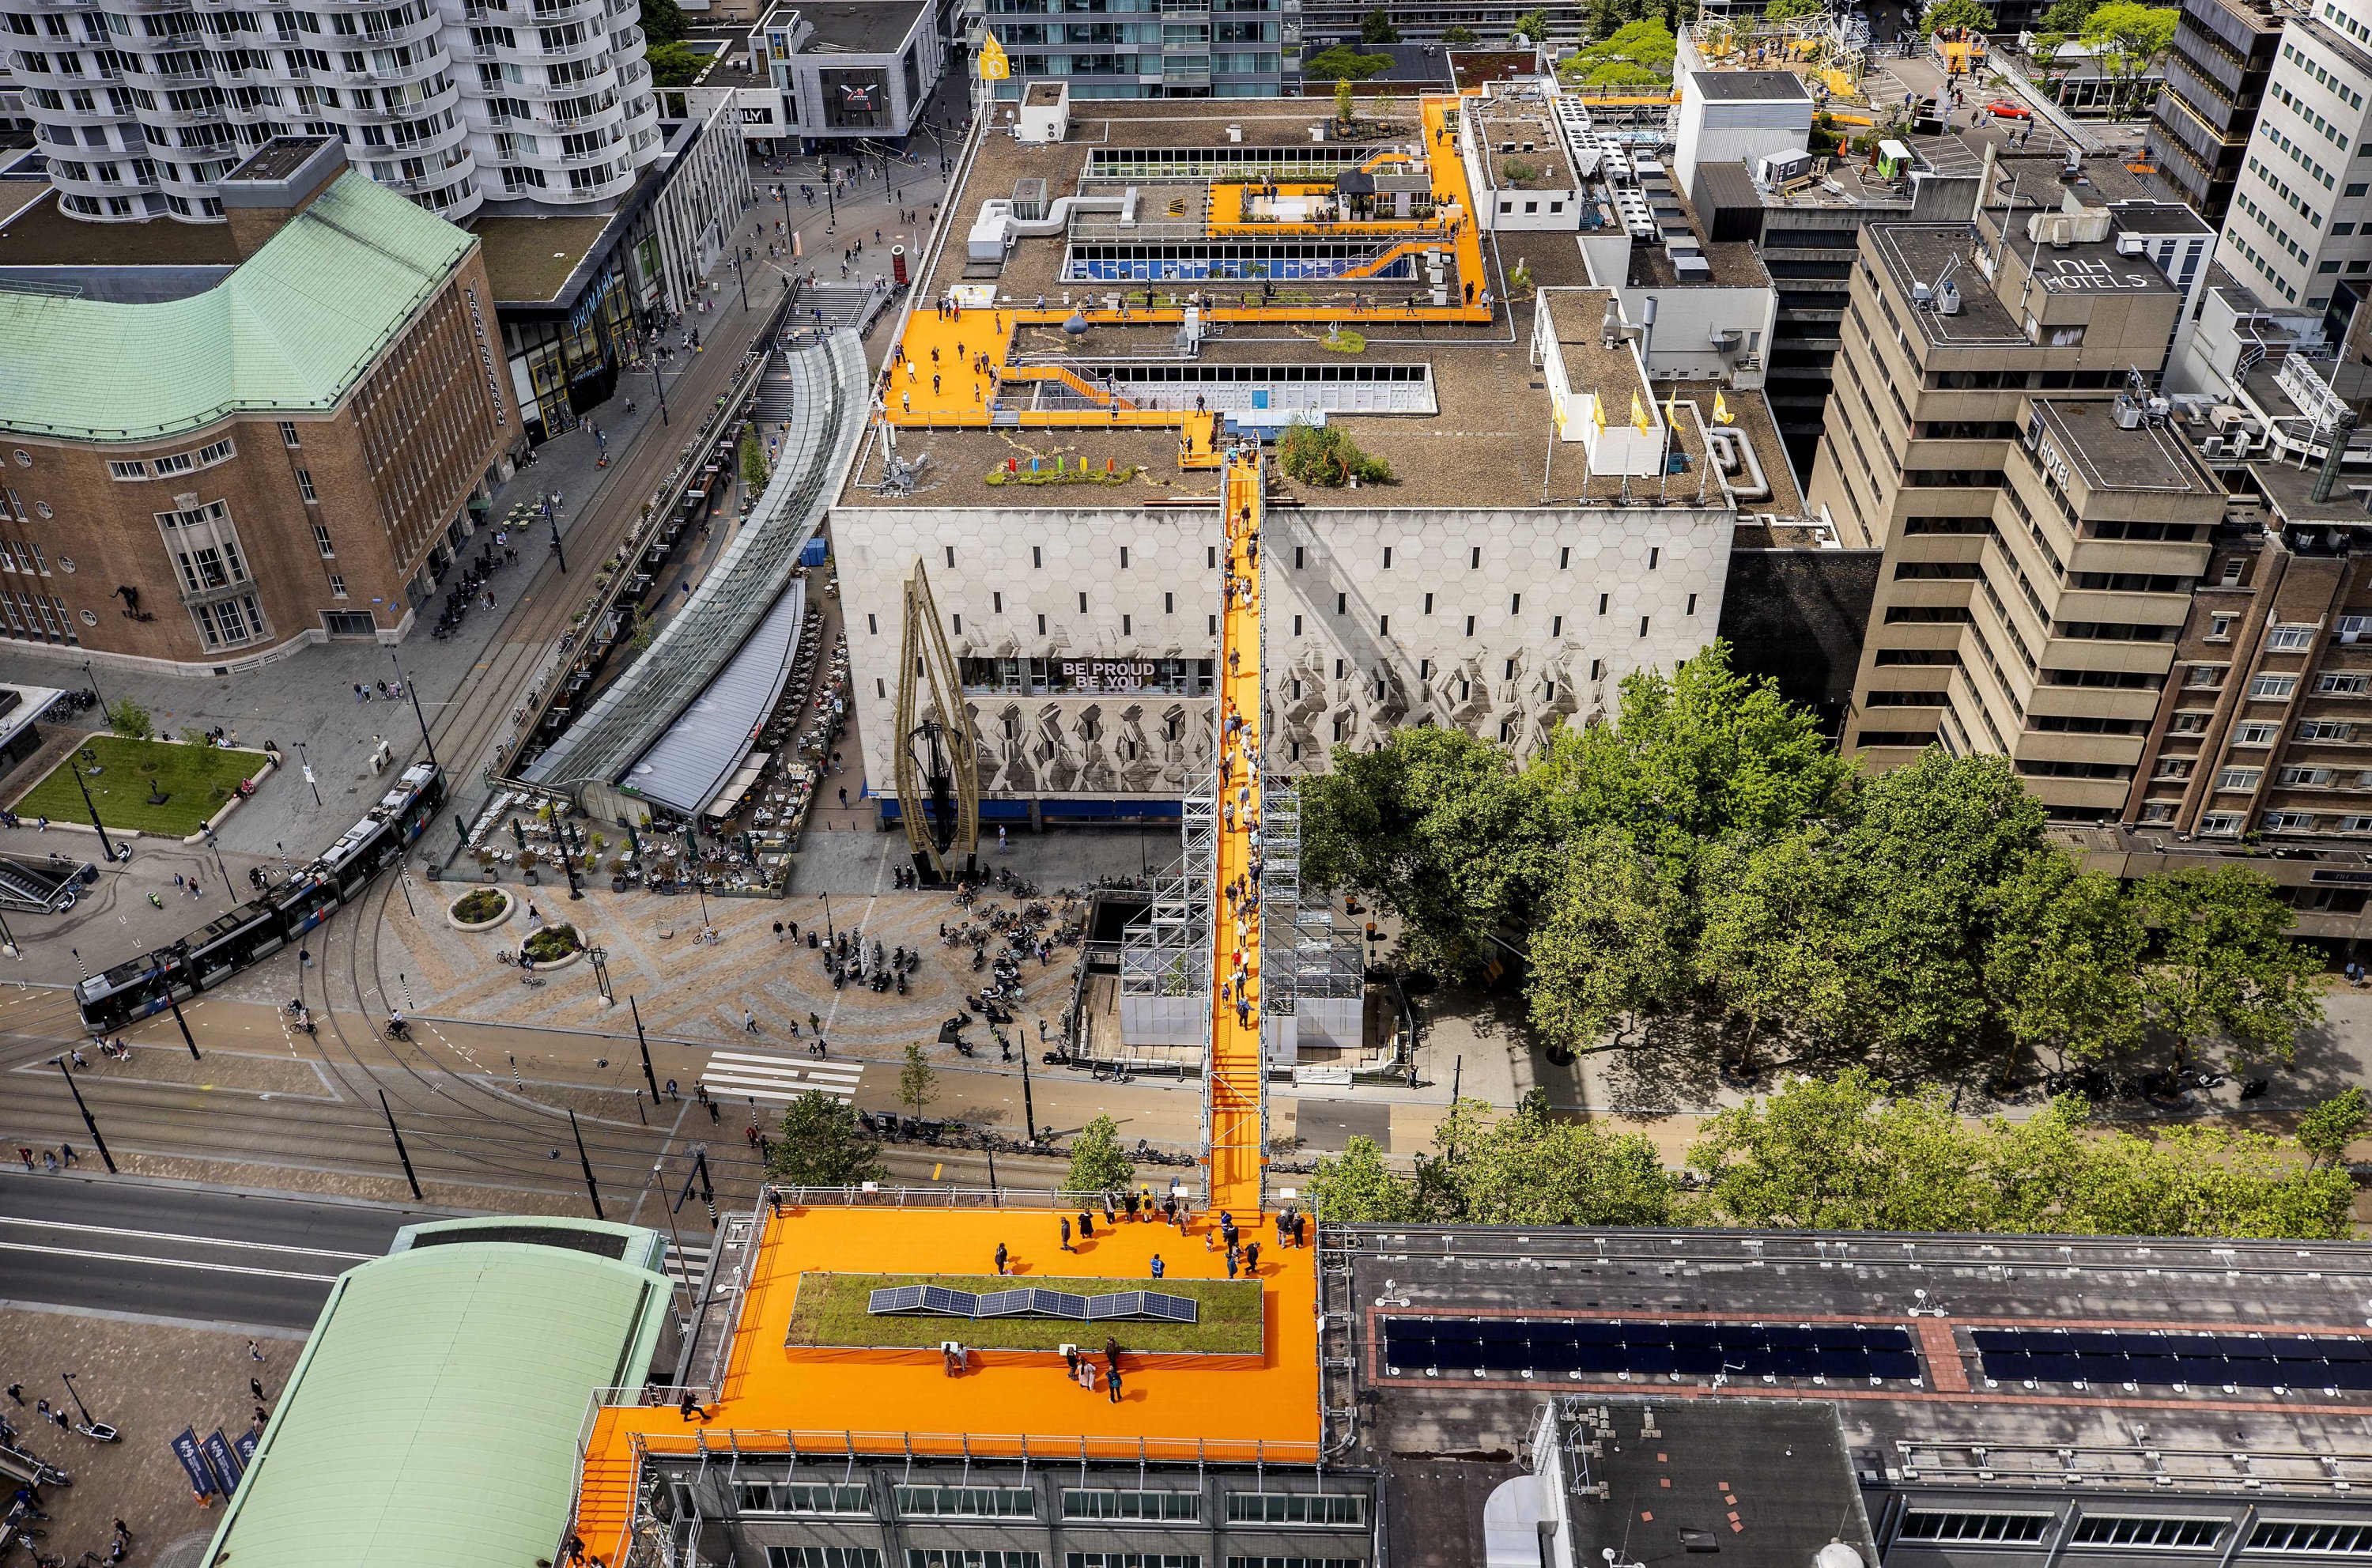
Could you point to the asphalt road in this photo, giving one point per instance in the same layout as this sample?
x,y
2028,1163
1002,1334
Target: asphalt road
x,y
122,1243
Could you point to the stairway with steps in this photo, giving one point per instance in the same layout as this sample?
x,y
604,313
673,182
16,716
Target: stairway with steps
x,y
841,304
605,1496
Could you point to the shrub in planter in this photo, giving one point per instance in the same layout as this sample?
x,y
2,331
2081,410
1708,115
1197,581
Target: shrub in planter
x,y
552,943
479,905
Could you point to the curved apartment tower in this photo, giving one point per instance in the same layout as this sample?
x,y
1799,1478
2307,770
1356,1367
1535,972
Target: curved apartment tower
x,y
143,106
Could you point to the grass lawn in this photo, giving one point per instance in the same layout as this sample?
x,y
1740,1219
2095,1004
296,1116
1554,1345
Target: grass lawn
x,y
830,1310
195,779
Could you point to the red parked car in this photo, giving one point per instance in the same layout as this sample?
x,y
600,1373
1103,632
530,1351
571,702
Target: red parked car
x,y
2008,109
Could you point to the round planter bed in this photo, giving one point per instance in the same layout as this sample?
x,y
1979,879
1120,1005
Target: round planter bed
x,y
480,902
546,965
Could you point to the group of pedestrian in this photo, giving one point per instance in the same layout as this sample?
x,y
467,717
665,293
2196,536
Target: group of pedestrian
x,y
1081,1369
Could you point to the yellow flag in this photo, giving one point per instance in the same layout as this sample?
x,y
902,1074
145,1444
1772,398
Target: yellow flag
x,y
1720,409
1672,409
1598,413
994,66
1639,415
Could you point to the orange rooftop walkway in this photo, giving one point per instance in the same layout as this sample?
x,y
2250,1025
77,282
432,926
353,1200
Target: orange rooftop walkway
x,y
775,1397
1233,1086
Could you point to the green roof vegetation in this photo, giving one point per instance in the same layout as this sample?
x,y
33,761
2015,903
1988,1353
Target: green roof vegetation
x,y
294,327
830,1309
433,1418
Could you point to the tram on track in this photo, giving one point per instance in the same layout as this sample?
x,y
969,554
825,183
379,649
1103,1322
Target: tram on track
x,y
288,909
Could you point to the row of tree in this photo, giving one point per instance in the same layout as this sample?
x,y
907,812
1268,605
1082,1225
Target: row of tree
x,y
1846,1153
1705,860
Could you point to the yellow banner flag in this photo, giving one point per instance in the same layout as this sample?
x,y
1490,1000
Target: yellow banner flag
x,y
994,66
1639,415
1720,409
1598,413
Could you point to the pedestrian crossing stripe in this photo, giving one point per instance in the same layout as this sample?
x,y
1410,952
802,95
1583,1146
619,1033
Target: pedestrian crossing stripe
x,y
779,1080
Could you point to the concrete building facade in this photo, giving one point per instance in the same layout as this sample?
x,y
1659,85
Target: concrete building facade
x,y
2042,529
195,494
2215,75
1564,481
2296,226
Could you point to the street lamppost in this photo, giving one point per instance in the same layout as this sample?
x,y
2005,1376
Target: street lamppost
x,y
82,785
94,686
88,1418
691,869
567,854
207,831
600,959
551,516
413,692
305,764
660,383
738,280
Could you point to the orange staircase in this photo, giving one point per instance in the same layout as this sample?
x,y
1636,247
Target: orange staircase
x,y
605,1495
1066,376
1237,1151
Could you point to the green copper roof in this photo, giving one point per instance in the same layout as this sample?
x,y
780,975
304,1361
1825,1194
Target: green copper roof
x,y
434,1416
293,328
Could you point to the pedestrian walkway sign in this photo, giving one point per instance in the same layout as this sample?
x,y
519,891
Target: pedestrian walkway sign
x,y
994,66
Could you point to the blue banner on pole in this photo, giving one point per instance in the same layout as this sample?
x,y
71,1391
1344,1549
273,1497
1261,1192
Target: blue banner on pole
x,y
223,1463
194,1462
244,1442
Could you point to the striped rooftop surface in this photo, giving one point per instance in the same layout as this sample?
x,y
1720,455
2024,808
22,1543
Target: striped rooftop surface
x,y
291,330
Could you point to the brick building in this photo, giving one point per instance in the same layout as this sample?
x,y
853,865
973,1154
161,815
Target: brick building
x,y
285,454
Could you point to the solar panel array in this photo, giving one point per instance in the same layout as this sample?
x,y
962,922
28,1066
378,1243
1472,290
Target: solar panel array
x,y
1647,1348
940,1301
2141,1355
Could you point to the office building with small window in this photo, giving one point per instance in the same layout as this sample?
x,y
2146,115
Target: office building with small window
x,y
2043,526
283,455
2215,74
2265,732
2300,221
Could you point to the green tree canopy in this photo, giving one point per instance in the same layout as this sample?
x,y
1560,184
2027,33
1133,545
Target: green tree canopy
x,y
917,1084
1849,1153
1534,1169
821,1146
1792,10
2222,965
1342,63
1533,25
1375,27
1357,1188
663,22
674,65
129,719
1096,1162
1459,33
1645,46
2127,38
1946,15
2327,1130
